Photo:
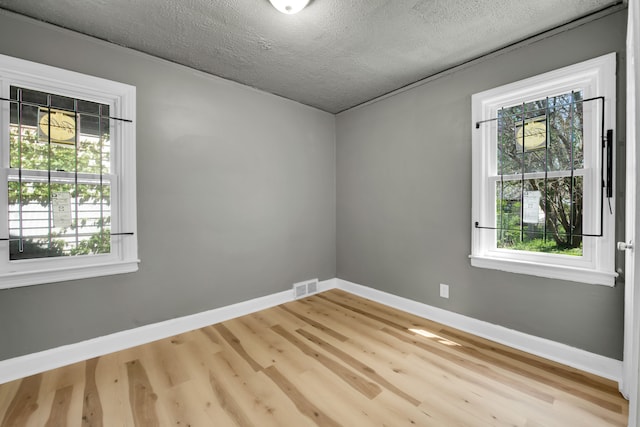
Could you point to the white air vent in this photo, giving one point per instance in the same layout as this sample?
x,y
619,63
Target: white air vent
x,y
299,290
312,286
305,288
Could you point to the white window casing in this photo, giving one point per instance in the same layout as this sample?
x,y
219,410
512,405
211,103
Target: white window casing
x,y
594,78
121,99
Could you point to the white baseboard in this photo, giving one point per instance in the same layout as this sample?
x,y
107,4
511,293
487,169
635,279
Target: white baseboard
x,y
325,285
34,363
561,353
22,366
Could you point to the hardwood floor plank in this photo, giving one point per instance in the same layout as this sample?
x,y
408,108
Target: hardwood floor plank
x,y
7,391
255,394
141,395
73,375
113,385
92,410
271,348
364,338
358,365
551,381
228,403
371,315
348,410
277,316
304,405
367,388
588,416
59,415
209,332
168,370
313,323
255,336
462,395
272,407
543,366
399,326
235,343
472,365
24,403
194,401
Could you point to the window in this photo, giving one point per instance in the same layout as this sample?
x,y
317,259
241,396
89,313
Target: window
x,y
67,191
542,200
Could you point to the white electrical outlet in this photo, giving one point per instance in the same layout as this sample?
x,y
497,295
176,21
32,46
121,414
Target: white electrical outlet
x,y
444,290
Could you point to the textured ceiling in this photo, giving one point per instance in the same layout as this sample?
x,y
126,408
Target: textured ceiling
x,y
333,55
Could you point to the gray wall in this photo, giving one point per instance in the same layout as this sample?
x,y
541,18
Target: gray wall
x,y
236,197
404,200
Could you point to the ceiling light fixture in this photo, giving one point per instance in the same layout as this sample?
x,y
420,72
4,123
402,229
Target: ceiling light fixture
x,y
289,6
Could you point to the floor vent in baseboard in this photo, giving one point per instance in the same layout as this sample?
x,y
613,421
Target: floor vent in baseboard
x,y
302,289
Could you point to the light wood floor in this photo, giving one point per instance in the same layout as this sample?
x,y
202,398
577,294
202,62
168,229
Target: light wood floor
x,y
332,359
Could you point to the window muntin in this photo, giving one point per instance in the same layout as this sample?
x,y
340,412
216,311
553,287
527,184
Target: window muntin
x,y
495,192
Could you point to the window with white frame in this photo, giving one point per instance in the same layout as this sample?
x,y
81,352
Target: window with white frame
x,y
542,168
67,153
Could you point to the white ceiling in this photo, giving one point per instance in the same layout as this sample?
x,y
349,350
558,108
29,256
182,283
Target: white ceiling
x,y
333,55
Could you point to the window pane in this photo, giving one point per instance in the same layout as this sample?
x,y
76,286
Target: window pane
x,y
564,214
62,102
88,107
31,96
60,213
34,248
542,135
508,210
43,138
509,156
565,132
93,145
540,216
55,219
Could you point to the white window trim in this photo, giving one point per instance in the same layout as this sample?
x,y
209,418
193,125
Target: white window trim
x,y
121,99
597,265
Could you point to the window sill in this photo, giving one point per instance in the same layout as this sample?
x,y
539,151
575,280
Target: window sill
x,y
28,278
582,275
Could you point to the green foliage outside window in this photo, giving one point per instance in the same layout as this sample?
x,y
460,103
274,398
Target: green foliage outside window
x,y
555,127
89,156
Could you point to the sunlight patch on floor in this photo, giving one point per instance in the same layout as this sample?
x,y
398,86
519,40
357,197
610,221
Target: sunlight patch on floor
x,y
435,337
